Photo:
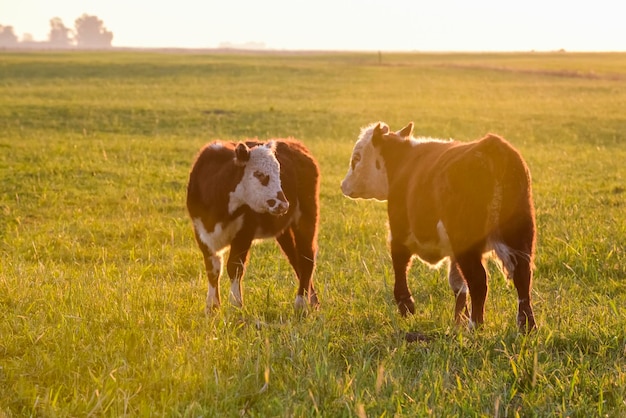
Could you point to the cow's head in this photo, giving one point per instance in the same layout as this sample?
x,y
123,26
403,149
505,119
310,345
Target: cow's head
x,y
367,174
260,186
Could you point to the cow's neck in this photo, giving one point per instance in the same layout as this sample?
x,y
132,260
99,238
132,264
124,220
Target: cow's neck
x,y
394,154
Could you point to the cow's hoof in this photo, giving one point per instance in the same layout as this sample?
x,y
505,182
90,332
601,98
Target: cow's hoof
x,y
473,326
406,306
236,302
210,309
315,302
300,304
526,324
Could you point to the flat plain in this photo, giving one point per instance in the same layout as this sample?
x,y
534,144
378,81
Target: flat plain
x,y
102,286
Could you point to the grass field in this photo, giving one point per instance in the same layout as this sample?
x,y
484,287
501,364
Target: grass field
x,y
102,286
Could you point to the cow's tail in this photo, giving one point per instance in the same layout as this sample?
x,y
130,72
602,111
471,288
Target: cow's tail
x,y
512,216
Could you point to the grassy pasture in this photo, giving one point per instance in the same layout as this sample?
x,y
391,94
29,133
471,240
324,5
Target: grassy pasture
x,y
102,287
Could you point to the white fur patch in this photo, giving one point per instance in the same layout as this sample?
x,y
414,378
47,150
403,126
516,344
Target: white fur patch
x,y
422,139
506,258
456,282
367,174
462,289
437,250
444,240
221,236
216,262
211,298
235,294
297,214
300,303
250,191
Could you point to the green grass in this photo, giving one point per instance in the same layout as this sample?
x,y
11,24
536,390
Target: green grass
x,y
102,286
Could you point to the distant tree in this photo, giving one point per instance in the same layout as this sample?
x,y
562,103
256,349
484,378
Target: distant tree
x,y
7,37
59,35
91,33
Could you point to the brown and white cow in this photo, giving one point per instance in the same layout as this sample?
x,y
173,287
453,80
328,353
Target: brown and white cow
x,y
448,200
240,192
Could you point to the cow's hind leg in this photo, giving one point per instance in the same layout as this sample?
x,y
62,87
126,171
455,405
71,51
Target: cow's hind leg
x,y
473,270
459,288
518,266
236,267
516,251
300,249
522,278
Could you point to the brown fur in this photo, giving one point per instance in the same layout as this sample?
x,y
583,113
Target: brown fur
x,y
215,174
481,192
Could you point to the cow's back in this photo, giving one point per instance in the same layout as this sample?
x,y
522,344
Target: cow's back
x,y
477,186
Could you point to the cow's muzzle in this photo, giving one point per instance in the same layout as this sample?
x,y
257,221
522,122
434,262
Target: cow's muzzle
x,y
278,206
345,189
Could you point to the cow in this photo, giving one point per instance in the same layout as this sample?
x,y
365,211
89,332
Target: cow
x,y
243,191
450,202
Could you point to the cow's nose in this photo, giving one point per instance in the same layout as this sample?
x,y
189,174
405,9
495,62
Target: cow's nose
x,y
278,206
345,190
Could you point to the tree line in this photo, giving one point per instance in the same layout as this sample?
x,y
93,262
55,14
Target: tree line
x,y
88,32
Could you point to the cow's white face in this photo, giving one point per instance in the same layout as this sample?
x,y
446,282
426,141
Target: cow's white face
x,y
260,186
367,174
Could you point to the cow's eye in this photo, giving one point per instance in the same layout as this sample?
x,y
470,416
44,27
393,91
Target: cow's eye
x,y
355,160
263,178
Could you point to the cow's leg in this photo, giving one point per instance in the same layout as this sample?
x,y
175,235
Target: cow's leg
x,y
213,266
287,243
401,258
300,249
236,267
522,278
473,270
459,288
306,248
519,252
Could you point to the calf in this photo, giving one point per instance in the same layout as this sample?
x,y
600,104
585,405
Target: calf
x,y
448,200
239,192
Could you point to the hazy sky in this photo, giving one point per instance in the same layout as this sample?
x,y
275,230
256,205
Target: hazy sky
x,y
402,25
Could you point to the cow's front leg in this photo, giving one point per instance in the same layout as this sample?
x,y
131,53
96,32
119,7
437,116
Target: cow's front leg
x,y
213,266
236,268
459,288
401,257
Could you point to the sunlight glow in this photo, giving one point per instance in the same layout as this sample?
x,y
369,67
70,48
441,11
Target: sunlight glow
x,y
399,25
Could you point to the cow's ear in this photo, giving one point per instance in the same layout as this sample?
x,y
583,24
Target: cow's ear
x,y
377,135
242,154
271,145
406,131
